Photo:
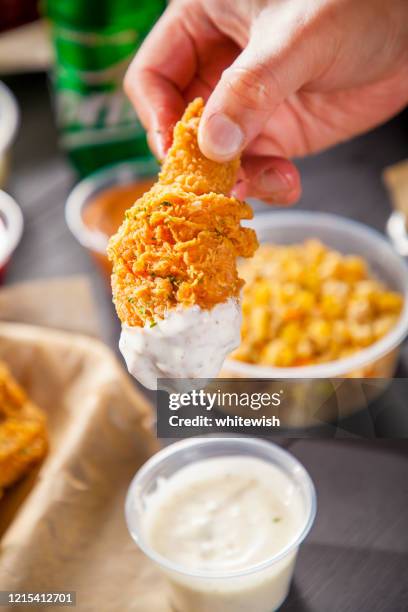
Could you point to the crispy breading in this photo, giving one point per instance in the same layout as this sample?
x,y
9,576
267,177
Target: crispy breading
x,y
186,166
179,242
23,432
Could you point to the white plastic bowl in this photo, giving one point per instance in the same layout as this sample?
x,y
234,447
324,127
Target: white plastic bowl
x,y
397,231
349,237
9,120
11,227
268,581
122,173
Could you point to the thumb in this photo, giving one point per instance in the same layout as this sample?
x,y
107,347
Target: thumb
x,y
249,91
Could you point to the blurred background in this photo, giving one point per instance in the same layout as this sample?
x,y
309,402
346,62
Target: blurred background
x,y
63,63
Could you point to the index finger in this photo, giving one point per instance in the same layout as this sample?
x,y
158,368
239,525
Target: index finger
x,y
164,66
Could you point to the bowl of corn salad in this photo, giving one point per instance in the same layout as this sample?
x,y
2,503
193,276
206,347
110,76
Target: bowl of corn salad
x,y
325,297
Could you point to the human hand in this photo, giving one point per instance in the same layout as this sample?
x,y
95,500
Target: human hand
x,y
282,78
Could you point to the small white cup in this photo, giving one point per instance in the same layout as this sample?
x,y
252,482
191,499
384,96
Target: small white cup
x,y
259,588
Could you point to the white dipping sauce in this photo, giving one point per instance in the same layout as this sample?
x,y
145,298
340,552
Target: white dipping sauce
x,y
187,343
224,515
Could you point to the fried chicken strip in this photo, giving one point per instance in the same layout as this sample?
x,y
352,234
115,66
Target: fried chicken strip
x,y
23,434
179,242
178,245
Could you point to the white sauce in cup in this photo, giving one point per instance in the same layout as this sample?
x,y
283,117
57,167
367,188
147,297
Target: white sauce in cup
x,y
223,515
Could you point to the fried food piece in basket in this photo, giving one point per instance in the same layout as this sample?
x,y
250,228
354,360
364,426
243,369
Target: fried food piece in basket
x,y
179,242
23,432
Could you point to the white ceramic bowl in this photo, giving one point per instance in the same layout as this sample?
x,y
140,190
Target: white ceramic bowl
x,y
9,120
11,227
122,173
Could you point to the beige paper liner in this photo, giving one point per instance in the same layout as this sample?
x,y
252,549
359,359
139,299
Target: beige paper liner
x,y
60,303
69,532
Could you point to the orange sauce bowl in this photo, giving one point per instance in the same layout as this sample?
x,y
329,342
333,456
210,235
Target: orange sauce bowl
x,y
96,206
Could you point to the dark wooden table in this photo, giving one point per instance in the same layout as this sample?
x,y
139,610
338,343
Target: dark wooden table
x,y
356,556
355,559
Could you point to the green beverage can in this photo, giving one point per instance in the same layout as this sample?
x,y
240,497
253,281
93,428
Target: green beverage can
x,y
94,42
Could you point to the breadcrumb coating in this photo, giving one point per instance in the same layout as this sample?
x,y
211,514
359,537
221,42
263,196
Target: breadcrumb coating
x,y
186,166
23,434
179,242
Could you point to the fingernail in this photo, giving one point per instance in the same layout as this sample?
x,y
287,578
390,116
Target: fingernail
x,y
155,140
239,190
222,138
275,181
284,198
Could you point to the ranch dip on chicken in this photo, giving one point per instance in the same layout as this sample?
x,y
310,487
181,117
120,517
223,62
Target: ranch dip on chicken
x,y
188,343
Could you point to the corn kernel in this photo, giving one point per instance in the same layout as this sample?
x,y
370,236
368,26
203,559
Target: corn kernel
x,y
340,333
262,293
331,265
366,288
259,323
359,309
383,325
304,349
339,289
388,301
319,332
314,250
277,354
290,333
331,307
242,353
361,333
293,270
353,268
